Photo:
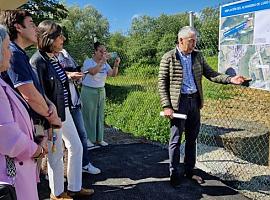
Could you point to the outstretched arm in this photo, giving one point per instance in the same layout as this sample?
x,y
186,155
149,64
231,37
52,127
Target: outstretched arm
x,y
237,80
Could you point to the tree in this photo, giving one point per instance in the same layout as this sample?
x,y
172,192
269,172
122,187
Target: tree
x,y
142,41
46,9
150,37
82,26
166,43
209,31
118,43
142,25
171,23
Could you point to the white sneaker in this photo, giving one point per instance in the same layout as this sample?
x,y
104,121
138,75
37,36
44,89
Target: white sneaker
x,y
103,143
89,144
91,169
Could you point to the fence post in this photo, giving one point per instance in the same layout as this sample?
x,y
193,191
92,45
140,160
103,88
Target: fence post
x,y
191,19
191,24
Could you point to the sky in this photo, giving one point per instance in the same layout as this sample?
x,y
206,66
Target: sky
x,y
121,12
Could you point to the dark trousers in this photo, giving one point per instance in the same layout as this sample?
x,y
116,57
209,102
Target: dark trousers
x,y
7,192
191,127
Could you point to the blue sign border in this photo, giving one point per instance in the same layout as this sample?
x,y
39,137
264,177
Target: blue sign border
x,y
244,7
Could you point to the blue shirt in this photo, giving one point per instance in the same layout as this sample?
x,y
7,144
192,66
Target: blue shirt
x,y
188,85
20,71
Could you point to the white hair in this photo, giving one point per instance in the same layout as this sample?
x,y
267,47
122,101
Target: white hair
x,y
3,35
185,31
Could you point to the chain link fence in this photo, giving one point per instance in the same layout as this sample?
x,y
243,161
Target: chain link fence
x,y
234,139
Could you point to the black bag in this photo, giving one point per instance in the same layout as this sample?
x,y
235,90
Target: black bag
x,y
7,192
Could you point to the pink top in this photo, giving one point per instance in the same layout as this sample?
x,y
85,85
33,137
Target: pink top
x,y
16,131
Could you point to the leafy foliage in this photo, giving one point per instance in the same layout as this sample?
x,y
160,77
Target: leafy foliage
x,y
117,43
142,70
209,33
149,37
139,114
48,9
166,43
83,26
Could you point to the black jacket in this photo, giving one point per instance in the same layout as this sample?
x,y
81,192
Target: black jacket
x,y
50,81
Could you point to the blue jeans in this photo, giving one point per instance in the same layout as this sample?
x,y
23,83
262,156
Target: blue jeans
x,y
78,121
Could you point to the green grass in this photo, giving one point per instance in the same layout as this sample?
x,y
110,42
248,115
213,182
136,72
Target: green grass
x,y
133,103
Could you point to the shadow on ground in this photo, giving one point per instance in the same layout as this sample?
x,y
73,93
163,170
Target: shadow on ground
x,y
140,172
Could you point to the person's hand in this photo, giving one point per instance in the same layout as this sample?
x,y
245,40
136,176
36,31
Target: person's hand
x,y
49,133
168,112
117,61
53,117
75,75
237,80
40,152
44,144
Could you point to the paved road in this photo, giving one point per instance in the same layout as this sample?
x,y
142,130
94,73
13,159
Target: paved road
x,y
140,172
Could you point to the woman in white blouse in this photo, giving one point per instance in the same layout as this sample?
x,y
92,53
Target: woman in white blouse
x,y
93,92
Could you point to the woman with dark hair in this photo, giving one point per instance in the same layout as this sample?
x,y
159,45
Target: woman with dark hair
x,y
17,147
93,92
55,84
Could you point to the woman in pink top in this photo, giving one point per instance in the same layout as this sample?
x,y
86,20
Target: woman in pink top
x,y
17,147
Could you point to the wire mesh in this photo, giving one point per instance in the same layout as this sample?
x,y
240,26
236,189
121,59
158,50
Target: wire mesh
x,y
234,139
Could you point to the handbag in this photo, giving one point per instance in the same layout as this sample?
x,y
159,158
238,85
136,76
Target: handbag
x,y
7,192
11,168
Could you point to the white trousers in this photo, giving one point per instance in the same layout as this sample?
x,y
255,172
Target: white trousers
x,y
69,134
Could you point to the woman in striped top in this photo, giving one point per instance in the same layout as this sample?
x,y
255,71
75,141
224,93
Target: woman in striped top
x,y
55,84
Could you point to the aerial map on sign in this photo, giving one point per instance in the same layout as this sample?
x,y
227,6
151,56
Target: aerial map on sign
x,y
245,41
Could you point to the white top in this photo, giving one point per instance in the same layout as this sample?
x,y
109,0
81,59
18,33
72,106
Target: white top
x,y
97,80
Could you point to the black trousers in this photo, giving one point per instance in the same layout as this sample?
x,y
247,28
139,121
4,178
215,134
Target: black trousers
x,y
188,105
7,192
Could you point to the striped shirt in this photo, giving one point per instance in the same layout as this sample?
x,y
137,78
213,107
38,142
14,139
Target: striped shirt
x,y
63,77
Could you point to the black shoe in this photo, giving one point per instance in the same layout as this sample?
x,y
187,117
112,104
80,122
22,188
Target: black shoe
x,y
195,178
175,180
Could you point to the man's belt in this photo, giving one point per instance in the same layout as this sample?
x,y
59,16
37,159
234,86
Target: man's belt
x,y
190,96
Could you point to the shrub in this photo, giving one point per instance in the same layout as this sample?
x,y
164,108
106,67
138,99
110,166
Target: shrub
x,y
139,115
142,70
